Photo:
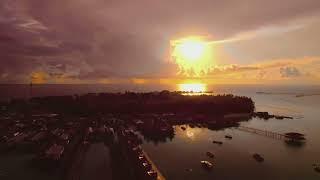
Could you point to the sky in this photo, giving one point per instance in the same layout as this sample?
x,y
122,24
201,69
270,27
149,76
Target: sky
x,y
125,41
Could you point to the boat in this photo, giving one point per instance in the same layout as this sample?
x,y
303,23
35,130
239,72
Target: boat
x,y
206,164
258,157
228,136
217,142
147,166
300,95
210,154
152,174
316,167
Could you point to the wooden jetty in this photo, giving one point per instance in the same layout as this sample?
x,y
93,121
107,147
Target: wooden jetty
x,y
270,134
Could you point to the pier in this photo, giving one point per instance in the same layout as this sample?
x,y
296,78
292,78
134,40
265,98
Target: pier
x,y
270,134
160,176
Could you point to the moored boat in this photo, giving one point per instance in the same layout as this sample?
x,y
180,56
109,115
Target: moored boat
x,y
210,154
217,142
258,157
207,165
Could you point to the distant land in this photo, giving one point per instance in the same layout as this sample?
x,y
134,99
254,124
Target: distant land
x,y
131,102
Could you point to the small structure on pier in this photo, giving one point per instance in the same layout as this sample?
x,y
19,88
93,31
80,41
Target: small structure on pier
x,y
294,139
293,136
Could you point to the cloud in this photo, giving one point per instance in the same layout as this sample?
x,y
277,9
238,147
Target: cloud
x,y
306,70
95,39
229,69
289,72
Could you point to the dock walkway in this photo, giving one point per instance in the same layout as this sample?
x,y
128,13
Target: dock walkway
x,y
270,134
160,176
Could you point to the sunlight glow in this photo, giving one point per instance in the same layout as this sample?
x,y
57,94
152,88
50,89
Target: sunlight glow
x,y
191,50
39,77
193,55
193,87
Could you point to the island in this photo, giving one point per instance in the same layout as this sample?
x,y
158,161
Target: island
x,y
58,130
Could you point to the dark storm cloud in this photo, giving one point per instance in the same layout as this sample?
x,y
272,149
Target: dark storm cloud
x,y
98,38
6,39
97,74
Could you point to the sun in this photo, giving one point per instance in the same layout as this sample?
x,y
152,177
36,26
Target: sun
x,y
193,55
191,50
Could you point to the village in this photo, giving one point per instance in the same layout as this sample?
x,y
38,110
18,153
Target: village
x,y
63,141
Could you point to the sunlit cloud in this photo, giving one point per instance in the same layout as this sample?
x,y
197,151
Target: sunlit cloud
x,y
39,77
139,81
103,46
290,72
265,31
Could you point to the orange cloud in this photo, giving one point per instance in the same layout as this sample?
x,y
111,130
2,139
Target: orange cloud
x,y
39,77
139,81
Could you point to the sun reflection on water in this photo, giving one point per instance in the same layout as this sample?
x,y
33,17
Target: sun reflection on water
x,y
189,133
192,87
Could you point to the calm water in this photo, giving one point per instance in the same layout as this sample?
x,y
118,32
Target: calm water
x,y
233,159
17,166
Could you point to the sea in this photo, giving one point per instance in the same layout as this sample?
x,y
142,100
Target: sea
x,y
179,157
